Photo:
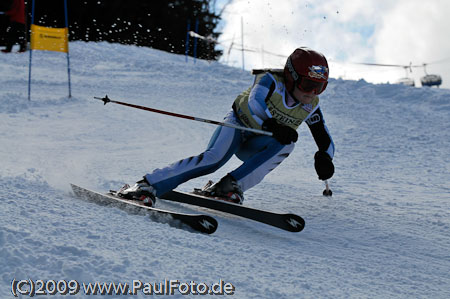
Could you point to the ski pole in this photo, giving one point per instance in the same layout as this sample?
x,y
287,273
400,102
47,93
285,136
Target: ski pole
x,y
327,191
218,123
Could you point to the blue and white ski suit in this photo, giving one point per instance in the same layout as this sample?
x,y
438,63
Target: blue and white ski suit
x,y
260,153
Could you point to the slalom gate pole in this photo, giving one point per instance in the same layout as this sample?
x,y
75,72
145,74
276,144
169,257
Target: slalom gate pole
x,y
108,100
68,56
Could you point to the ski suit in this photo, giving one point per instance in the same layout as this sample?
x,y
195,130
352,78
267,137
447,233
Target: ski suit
x,y
260,154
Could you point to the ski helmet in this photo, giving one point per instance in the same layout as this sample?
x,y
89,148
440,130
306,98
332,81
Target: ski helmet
x,y
306,69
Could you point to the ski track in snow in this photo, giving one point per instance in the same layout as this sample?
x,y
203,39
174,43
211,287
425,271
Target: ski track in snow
x,y
383,234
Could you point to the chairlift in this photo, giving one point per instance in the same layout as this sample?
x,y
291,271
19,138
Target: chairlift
x,y
427,80
406,80
430,79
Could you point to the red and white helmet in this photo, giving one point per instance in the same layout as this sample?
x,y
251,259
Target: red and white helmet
x,y
306,69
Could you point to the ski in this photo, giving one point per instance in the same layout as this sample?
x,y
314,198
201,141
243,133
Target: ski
x,y
289,222
202,223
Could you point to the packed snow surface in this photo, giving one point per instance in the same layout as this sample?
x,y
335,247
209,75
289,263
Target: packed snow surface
x,y
385,232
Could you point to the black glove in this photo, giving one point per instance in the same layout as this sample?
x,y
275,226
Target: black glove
x,y
282,133
324,166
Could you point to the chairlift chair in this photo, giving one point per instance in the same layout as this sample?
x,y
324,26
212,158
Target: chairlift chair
x,y
430,79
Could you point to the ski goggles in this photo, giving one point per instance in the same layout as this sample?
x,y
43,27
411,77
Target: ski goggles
x,y
307,85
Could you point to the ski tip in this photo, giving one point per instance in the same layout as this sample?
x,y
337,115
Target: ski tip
x,y
207,224
294,223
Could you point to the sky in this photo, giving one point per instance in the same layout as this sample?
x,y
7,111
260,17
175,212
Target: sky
x,y
400,32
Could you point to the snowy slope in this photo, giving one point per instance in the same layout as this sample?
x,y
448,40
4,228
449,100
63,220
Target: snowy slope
x,y
384,233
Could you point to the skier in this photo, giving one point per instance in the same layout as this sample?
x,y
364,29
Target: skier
x,y
278,102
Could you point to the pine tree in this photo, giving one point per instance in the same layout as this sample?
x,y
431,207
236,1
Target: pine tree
x,y
160,24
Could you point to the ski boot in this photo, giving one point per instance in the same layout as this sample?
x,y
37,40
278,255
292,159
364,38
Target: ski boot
x,y
141,191
226,189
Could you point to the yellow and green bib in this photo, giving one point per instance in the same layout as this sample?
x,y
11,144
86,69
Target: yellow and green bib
x,y
276,105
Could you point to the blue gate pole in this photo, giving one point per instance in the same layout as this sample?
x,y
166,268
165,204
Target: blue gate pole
x,y
186,52
195,40
31,54
68,56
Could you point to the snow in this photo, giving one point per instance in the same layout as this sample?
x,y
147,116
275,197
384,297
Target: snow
x,y
384,233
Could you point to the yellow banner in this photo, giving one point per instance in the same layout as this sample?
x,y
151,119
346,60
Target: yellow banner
x,y
49,39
